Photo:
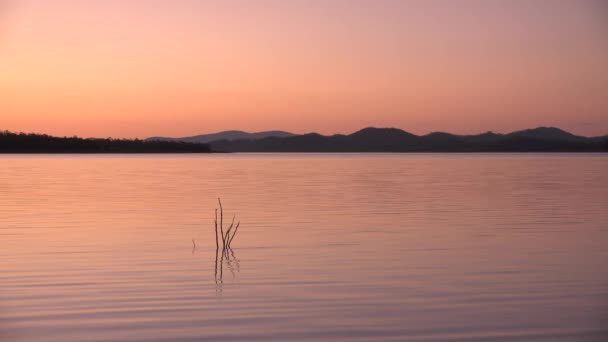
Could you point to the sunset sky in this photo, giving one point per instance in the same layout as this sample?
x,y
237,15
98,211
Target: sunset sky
x,y
139,68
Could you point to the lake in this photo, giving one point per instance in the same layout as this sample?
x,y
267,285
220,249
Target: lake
x,y
331,247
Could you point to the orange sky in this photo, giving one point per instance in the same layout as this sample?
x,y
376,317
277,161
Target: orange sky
x,y
142,68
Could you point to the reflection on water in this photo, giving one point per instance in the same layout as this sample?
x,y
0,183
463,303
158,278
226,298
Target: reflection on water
x,y
336,248
223,257
227,257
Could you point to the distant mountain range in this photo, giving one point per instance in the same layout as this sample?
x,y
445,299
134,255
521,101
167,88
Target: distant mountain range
x,y
542,139
226,135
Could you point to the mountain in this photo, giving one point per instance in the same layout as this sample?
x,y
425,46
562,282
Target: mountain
x,y
542,139
547,134
226,135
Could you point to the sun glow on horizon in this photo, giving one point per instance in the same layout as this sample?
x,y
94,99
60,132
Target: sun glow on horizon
x,y
145,68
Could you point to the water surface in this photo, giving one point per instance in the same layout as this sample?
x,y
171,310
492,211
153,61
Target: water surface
x,y
353,247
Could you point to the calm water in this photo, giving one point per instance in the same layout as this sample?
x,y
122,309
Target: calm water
x,y
330,248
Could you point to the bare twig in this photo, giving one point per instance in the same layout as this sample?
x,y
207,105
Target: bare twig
x,y
233,235
227,235
216,238
222,223
228,231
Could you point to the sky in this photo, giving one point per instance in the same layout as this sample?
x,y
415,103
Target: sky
x,y
140,68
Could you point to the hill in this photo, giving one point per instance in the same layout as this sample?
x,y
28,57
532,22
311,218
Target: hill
x,y
542,139
226,135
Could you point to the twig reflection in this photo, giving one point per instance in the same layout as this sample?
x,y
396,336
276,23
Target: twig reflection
x,y
228,257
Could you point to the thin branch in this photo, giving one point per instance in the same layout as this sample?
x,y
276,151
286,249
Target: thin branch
x,y
217,246
222,223
228,231
233,235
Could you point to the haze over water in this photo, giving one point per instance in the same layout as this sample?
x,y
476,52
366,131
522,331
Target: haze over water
x,y
331,247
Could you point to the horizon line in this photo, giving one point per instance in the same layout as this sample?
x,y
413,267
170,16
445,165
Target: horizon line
x,y
312,132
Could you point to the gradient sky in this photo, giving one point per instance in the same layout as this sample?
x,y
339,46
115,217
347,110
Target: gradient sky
x,y
138,68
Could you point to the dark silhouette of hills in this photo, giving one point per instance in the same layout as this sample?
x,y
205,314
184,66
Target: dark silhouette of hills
x,y
41,143
547,134
542,139
226,135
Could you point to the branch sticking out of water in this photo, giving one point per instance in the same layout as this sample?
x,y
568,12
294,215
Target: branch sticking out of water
x,y
216,238
221,223
235,230
225,235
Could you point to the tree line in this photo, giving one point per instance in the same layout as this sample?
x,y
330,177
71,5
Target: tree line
x,y
11,142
